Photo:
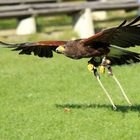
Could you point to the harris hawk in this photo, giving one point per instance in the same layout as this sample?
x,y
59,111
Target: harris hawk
x,y
104,49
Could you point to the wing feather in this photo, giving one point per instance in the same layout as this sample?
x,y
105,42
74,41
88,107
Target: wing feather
x,y
119,56
41,49
125,35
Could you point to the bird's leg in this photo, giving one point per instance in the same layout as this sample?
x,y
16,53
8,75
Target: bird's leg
x,y
102,66
93,69
107,65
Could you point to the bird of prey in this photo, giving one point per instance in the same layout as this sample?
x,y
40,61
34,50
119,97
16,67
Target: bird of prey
x,y
105,48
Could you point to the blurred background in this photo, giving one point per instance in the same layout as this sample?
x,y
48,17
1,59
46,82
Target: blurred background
x,y
61,19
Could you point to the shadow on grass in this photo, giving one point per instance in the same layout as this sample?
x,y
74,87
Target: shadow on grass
x,y
120,108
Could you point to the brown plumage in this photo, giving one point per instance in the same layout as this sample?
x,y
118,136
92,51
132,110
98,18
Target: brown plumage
x,y
109,42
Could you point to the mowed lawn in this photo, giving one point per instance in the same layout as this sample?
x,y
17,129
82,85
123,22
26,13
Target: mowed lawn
x,y
58,98
34,93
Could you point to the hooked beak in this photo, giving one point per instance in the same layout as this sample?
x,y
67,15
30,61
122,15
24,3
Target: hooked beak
x,y
60,49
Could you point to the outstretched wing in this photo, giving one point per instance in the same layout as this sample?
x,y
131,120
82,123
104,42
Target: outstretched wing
x,y
125,35
119,56
41,49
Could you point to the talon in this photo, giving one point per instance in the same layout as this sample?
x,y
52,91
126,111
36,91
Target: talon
x,y
110,71
108,62
96,73
102,69
90,67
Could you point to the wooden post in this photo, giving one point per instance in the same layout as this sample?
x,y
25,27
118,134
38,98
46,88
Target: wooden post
x,y
26,26
100,15
138,8
83,24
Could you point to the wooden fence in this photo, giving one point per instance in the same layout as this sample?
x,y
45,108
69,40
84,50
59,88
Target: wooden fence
x,y
32,8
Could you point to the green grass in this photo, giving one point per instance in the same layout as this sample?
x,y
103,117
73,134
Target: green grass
x,y
8,23
35,91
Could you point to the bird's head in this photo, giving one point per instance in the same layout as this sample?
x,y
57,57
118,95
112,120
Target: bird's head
x,y
60,49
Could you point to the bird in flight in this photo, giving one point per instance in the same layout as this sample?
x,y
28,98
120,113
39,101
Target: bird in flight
x,y
105,48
